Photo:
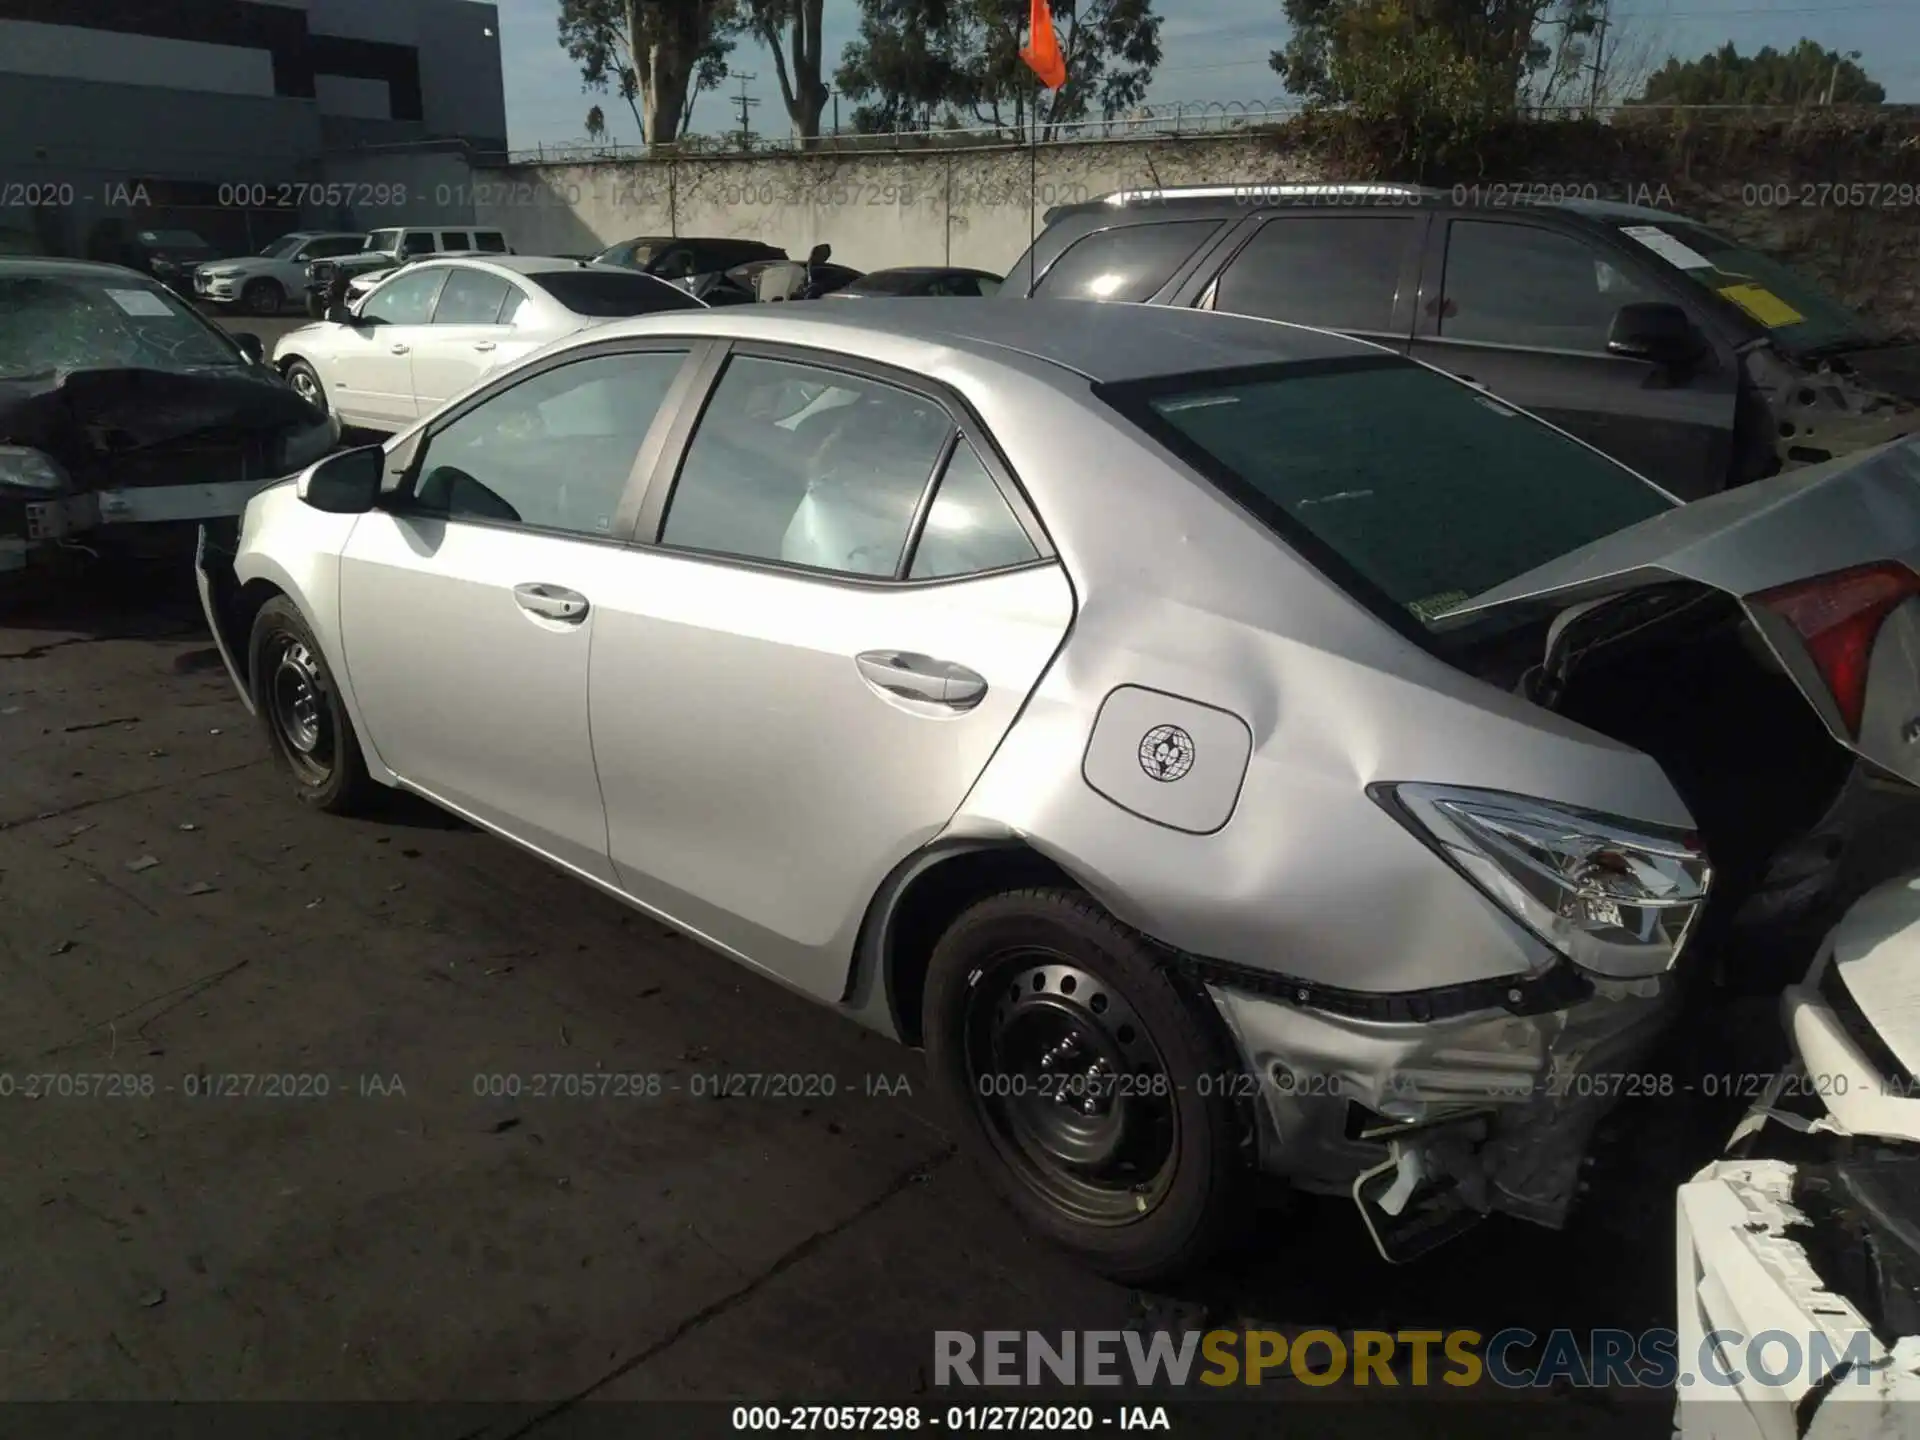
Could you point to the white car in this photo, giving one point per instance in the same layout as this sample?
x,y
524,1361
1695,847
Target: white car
x,y
263,283
361,286
1806,1230
432,330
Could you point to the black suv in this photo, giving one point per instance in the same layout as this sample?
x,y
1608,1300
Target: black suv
x,y
1695,360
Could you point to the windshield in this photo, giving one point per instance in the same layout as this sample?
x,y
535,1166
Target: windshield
x,y
1413,490
281,248
49,324
173,239
1796,312
604,294
383,240
637,253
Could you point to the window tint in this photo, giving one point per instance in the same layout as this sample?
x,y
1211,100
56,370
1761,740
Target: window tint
x,y
420,242
806,466
1457,494
1521,285
406,299
470,298
1128,263
455,240
970,527
491,241
339,245
516,297
553,451
607,293
1338,272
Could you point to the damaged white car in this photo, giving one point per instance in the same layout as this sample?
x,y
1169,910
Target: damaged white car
x,y
1809,1230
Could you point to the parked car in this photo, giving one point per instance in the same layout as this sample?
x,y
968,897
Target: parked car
x,y
1700,362
1805,1227
169,256
698,265
390,246
912,280
429,331
780,280
1200,802
120,404
263,283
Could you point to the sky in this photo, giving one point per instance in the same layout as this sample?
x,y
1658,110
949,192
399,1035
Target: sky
x,y
1213,50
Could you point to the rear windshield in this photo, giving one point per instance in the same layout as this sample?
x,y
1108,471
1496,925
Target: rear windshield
x,y
897,282
49,324
605,294
1412,489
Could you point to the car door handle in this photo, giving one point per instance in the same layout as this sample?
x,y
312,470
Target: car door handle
x,y
483,344
553,602
401,349
921,677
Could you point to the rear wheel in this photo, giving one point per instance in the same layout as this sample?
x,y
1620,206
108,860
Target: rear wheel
x,y
262,297
300,708
1090,1083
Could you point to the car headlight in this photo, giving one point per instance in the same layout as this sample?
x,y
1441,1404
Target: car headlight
x,y
24,469
1617,897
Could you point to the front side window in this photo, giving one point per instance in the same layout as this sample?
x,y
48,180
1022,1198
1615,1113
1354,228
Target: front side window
x,y
1128,262
1523,285
406,299
676,264
1337,272
1422,490
329,246
553,451
471,297
419,242
805,466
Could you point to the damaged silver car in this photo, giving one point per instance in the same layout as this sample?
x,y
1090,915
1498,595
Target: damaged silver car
x,y
1224,746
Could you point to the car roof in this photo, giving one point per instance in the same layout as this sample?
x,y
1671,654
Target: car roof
x,y
932,270
1103,341
1256,194
518,264
54,266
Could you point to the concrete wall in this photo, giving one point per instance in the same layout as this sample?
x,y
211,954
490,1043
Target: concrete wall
x,y
401,187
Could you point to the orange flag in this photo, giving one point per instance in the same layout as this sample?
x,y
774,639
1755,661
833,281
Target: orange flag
x,y
1042,54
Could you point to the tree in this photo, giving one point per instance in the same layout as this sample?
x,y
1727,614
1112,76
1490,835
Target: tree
x,y
1804,75
657,55
918,63
1514,54
791,30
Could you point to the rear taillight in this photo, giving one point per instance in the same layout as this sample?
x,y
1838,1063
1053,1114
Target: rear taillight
x,y
1837,618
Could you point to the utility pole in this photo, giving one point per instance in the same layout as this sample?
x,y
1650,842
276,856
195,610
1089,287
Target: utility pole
x,y
746,103
1599,55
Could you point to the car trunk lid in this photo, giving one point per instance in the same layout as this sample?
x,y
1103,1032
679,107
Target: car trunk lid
x,y
1824,562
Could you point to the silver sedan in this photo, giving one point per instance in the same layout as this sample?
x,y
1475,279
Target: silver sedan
x,y
1223,746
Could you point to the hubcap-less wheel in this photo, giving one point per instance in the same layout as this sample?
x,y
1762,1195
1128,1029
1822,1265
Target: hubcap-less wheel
x,y
306,387
1076,1097
298,706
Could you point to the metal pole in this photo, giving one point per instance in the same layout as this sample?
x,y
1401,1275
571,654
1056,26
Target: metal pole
x,y
1599,56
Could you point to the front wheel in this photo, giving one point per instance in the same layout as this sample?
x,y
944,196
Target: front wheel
x,y
262,297
300,708
1089,1082
305,381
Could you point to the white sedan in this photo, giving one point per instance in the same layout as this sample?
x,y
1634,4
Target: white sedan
x,y
432,330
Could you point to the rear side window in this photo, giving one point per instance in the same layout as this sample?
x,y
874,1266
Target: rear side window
x,y
492,242
1337,272
609,293
970,528
470,297
1424,491
455,240
1524,285
1126,263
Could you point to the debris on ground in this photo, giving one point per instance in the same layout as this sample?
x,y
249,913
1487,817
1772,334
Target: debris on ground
x,y
145,862
201,887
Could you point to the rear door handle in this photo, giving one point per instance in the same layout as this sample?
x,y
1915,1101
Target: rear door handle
x,y
483,344
921,677
553,602
401,349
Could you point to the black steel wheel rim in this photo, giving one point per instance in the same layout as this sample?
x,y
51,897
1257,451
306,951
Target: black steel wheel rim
x,y
1074,1095
296,702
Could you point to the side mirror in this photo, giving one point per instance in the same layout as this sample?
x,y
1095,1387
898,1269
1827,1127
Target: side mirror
x,y
345,483
251,346
1658,333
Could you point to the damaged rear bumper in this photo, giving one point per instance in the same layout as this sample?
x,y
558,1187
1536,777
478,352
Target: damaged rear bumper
x,y
1432,1125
